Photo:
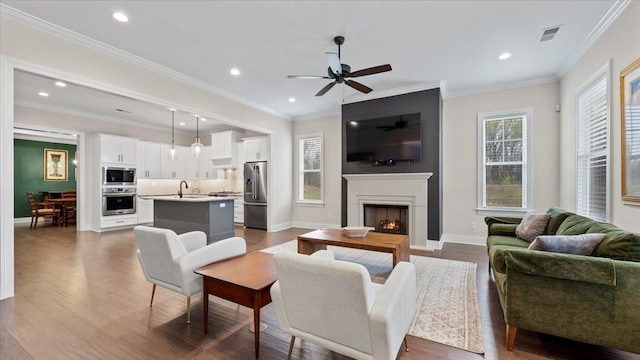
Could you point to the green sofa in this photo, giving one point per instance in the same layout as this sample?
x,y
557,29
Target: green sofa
x,y
593,299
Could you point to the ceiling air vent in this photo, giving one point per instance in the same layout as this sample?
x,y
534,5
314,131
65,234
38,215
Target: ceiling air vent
x,y
549,33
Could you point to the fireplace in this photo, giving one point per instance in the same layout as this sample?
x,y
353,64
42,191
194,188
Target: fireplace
x,y
384,218
393,190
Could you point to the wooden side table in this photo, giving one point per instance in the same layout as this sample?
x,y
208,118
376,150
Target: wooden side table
x,y
245,280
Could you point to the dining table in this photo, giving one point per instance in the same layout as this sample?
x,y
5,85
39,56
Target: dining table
x,y
63,204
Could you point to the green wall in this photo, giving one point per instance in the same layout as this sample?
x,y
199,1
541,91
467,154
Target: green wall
x,y
29,172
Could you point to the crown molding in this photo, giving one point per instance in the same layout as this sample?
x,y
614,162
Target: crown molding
x,y
502,86
320,115
391,92
10,13
609,18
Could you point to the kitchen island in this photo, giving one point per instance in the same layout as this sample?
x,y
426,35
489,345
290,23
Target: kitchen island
x,y
213,215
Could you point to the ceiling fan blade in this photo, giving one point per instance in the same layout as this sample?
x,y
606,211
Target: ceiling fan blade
x,y
307,77
325,89
358,86
334,62
371,70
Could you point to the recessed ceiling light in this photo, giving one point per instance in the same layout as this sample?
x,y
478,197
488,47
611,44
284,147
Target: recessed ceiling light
x,y
183,124
234,72
43,94
120,17
292,99
60,84
353,123
203,119
504,56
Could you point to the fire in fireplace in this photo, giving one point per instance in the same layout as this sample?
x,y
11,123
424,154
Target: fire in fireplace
x,y
384,218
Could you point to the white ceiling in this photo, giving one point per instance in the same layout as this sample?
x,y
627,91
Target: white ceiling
x,y
457,42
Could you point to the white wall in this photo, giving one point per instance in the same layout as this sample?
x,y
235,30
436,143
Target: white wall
x,y
619,45
30,49
460,155
327,215
82,65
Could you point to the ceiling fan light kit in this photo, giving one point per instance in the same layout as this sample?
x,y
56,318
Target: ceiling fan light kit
x,y
341,72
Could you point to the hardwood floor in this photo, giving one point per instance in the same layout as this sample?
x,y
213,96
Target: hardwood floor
x,y
83,296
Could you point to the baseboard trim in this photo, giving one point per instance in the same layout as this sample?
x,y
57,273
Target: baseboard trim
x,y
280,227
315,226
463,239
22,220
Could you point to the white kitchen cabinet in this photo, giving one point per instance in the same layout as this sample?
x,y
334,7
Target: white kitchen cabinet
x,y
240,163
118,220
238,209
149,160
223,148
205,167
176,168
118,150
256,149
144,211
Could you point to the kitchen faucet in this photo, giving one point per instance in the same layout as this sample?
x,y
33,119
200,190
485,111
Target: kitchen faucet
x,y
185,186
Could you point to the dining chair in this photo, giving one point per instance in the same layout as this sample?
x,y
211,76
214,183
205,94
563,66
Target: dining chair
x,y
169,260
334,304
41,209
68,210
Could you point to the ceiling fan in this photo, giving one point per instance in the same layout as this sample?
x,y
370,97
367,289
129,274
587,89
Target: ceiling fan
x,y
341,72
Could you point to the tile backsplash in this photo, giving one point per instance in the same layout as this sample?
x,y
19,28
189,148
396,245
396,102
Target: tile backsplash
x,y
170,186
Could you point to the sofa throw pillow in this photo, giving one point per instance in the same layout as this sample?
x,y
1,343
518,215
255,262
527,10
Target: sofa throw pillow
x,y
531,226
583,244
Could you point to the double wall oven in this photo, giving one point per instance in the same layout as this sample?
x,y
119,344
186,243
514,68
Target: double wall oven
x,y
118,191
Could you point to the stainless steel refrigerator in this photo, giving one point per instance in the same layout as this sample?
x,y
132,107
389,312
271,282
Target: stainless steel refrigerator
x,y
255,195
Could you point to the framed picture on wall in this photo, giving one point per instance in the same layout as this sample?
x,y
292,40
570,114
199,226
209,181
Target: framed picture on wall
x,y
630,123
55,165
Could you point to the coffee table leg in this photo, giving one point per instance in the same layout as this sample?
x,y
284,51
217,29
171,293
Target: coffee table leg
x,y
308,247
205,309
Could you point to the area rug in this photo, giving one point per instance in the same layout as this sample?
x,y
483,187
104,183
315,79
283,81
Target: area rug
x,y
447,311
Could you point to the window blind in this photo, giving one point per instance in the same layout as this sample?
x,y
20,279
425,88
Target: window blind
x,y
592,195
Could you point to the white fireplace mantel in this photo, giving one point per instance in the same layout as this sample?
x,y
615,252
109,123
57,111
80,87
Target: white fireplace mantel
x,y
408,189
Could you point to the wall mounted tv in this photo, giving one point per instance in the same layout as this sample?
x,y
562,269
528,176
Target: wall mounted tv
x,y
396,138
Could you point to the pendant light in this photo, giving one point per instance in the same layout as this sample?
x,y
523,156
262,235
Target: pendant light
x,y
197,146
172,151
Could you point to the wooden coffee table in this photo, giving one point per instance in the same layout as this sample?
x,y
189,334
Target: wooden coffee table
x,y
245,280
398,245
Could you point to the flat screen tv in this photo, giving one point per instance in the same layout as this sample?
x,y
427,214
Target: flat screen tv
x,y
396,138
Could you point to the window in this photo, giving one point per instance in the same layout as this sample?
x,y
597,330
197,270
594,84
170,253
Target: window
x,y
504,171
592,153
310,153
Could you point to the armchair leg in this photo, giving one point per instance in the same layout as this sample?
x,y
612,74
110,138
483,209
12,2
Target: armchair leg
x,y
406,347
511,336
293,340
153,292
188,309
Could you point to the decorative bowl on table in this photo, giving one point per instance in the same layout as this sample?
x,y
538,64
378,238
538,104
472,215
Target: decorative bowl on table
x,y
356,231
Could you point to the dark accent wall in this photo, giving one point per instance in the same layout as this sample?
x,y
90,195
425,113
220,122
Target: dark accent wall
x,y
28,157
429,104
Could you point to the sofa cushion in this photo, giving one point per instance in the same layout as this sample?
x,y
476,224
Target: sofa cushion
x,y
494,240
557,217
617,244
575,225
532,225
583,244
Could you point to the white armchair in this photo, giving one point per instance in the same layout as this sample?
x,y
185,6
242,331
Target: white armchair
x,y
334,304
168,259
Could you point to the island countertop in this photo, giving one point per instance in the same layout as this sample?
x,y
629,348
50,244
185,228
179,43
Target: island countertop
x,y
186,198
